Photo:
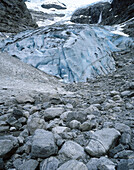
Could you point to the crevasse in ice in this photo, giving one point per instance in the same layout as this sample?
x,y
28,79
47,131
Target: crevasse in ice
x,y
71,52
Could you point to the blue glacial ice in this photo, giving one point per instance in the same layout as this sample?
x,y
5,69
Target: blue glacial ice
x,y
71,52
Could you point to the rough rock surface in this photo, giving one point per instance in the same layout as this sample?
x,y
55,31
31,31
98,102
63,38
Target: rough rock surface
x,y
117,12
43,144
74,165
15,17
102,141
104,104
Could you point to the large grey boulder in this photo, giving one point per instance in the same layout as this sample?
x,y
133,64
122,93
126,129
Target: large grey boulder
x,y
53,112
43,144
73,165
72,150
101,141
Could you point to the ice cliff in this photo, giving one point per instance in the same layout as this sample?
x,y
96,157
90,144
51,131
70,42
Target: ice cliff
x,y
71,52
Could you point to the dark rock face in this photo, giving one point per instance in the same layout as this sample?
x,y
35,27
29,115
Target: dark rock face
x,y
56,6
14,16
117,12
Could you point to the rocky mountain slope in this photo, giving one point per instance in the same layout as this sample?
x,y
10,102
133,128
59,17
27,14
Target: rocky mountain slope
x,y
117,12
48,125
14,16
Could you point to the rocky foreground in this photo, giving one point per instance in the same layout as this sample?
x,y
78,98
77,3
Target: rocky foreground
x,y
90,126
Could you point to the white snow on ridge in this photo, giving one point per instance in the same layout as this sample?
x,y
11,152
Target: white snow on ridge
x,y
71,7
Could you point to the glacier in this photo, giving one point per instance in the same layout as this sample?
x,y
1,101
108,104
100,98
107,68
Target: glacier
x,y
72,52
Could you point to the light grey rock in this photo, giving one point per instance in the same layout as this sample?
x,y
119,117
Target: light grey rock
x,y
52,112
29,165
60,129
124,154
24,98
73,165
4,128
125,93
101,141
125,138
34,123
5,147
7,143
74,124
43,144
114,93
64,115
122,128
86,126
72,150
49,164
93,164
106,164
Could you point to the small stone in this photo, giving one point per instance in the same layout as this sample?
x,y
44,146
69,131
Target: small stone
x,y
17,113
34,123
125,138
116,98
93,164
73,165
69,106
123,154
49,164
85,126
114,93
122,128
60,129
29,165
115,150
74,124
43,144
125,93
4,128
64,115
12,128
72,150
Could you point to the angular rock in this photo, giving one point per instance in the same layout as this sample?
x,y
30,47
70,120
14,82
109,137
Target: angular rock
x,y
24,98
43,144
49,164
34,123
73,165
122,128
85,126
123,154
30,164
72,150
106,164
52,113
60,129
102,141
93,164
7,144
74,124
125,138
